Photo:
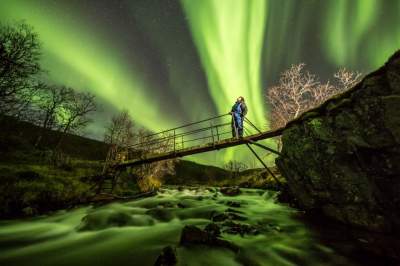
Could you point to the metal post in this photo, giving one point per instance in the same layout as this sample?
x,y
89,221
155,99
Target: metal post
x,y
174,142
182,141
261,161
216,128
212,134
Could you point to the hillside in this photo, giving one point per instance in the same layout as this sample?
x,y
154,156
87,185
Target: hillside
x,y
18,140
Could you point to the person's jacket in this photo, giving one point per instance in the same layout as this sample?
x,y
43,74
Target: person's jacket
x,y
240,108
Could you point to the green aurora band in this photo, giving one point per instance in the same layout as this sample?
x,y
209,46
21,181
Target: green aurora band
x,y
242,46
229,36
363,27
76,57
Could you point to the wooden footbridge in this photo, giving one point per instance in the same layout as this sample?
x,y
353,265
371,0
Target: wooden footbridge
x,y
171,143
206,135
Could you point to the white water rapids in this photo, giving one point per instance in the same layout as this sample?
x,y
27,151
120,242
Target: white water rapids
x,y
135,232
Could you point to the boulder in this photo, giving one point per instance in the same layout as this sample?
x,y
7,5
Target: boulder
x,y
167,257
234,204
221,217
192,235
103,219
161,214
342,158
230,191
213,229
240,229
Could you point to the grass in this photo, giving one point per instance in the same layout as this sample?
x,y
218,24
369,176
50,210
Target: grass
x,y
30,189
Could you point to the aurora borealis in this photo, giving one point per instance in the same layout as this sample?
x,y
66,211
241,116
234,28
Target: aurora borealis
x,y
170,62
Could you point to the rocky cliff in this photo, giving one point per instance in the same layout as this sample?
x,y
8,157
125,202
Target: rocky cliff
x,y
343,157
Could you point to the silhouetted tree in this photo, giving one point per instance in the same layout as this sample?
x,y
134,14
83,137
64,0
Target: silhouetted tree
x,y
74,112
149,176
50,104
19,63
47,106
119,132
72,117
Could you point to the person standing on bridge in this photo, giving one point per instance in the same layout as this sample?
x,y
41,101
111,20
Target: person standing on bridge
x,y
239,110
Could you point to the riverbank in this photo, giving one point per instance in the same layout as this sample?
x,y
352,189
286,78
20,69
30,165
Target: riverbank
x,y
32,183
30,188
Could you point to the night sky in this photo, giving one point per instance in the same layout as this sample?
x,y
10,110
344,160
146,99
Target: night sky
x,y
171,62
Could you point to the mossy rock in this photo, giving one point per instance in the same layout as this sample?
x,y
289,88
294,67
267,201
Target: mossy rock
x,y
342,157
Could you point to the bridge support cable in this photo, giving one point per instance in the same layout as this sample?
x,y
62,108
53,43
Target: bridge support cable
x,y
262,162
265,147
251,124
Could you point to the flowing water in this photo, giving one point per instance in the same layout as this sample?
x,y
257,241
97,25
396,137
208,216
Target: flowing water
x,y
134,233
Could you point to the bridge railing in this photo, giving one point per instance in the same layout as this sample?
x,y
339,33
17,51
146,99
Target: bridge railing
x,y
207,131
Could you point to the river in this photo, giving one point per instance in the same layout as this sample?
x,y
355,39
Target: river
x,y
134,232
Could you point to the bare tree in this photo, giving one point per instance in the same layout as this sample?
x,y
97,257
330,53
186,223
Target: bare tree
x,y
120,130
74,113
49,104
19,63
291,96
119,135
346,79
299,90
149,176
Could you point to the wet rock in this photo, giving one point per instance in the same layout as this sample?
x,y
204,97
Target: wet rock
x,y
221,217
180,205
341,158
213,229
233,211
245,184
240,229
167,257
285,196
28,175
120,219
230,191
234,204
200,198
213,190
161,214
105,219
192,235
167,204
